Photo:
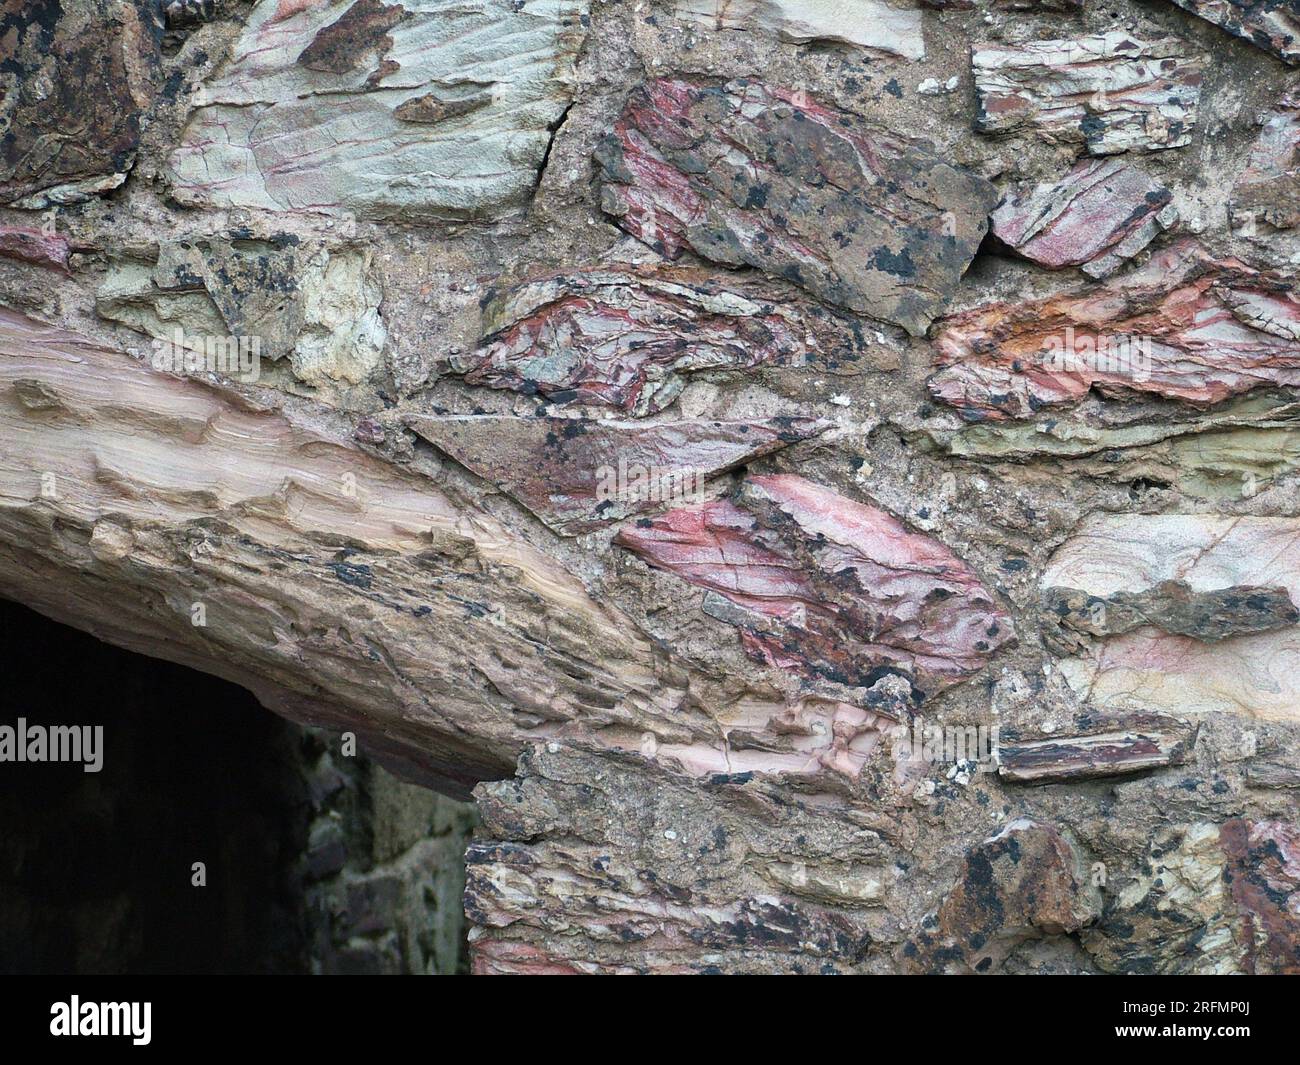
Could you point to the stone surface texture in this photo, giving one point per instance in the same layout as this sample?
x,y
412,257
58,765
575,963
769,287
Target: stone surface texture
x,y
830,586
1273,25
1268,190
578,474
1231,453
1184,327
78,79
1213,899
629,339
1098,216
874,24
1138,743
1108,93
750,174
1028,880
1241,658
34,246
823,478
314,306
427,109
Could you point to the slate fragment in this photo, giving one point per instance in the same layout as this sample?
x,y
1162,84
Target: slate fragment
x,y
35,247
353,39
682,870
1254,674
825,586
578,474
1229,453
77,80
1273,25
1171,606
874,24
627,337
1097,216
1184,326
1210,899
314,304
1273,776
1118,748
747,174
1027,881
425,109
1108,92
1268,190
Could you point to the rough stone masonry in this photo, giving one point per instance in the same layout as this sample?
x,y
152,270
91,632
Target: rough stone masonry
x,y
973,329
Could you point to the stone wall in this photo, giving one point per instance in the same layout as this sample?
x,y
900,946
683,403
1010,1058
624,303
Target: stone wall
x,y
706,412
384,869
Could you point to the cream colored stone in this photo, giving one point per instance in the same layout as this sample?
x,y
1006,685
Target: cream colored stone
x,y
1256,674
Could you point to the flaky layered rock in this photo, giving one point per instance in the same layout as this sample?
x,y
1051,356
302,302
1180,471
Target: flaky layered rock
x,y
826,586
1185,327
578,858
1027,881
1100,214
186,521
1210,899
1268,190
1230,453
1110,92
1250,662
578,474
872,24
1114,747
316,306
35,247
757,175
655,801
1273,25
78,79
627,338
1172,606
424,109
1273,776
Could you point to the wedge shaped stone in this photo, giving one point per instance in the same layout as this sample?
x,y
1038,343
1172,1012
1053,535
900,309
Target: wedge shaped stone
x,y
1097,216
577,474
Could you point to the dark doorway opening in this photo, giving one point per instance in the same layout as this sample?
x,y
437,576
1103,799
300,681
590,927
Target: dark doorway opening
x,y
315,859
97,869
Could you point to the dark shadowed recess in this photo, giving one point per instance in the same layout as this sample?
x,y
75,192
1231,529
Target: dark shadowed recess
x,y
95,868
